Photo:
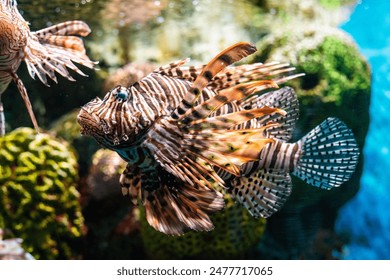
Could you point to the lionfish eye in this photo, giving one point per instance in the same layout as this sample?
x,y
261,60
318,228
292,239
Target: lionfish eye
x,y
13,2
122,94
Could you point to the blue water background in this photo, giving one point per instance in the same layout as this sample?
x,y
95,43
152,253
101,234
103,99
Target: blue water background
x,y
366,218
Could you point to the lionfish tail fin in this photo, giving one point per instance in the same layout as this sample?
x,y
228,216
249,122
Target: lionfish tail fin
x,y
329,155
56,49
263,192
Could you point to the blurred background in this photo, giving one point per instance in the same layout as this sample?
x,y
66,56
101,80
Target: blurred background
x,y
59,193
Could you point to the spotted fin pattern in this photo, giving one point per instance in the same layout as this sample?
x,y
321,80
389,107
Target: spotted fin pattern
x,y
130,182
263,192
329,155
285,99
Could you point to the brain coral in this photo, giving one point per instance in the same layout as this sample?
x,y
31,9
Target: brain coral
x,y
38,196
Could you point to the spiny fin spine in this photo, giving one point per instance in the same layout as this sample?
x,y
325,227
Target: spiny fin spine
x,y
226,57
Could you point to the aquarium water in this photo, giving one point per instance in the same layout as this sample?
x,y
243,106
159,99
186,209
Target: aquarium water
x,y
365,219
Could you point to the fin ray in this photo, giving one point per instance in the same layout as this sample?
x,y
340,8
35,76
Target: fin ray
x,y
26,99
285,99
329,155
263,192
223,59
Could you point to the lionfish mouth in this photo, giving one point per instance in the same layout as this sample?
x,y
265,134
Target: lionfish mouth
x,y
87,121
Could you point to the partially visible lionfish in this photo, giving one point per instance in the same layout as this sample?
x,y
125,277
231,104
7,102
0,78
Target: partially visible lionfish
x,y
45,52
184,130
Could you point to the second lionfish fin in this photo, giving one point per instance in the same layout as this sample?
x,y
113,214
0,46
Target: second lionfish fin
x,y
26,99
263,192
72,27
223,59
54,49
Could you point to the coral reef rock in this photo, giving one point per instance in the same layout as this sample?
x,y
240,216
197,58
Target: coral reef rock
x,y
10,249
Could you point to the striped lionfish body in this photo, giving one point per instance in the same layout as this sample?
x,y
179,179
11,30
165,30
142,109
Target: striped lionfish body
x,y
184,130
45,52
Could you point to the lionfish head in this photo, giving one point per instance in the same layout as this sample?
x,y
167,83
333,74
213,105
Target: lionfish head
x,y
9,8
7,5
110,120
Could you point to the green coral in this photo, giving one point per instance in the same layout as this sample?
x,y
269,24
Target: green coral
x,y
337,77
235,235
38,196
333,70
332,4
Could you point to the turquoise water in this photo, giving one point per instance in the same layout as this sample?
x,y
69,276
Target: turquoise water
x,y
366,218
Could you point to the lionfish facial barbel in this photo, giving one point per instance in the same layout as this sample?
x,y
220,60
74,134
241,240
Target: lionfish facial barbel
x,y
45,52
184,130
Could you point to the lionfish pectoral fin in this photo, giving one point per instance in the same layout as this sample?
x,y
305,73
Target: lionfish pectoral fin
x,y
174,207
233,119
222,60
26,99
329,155
228,149
225,96
262,192
56,48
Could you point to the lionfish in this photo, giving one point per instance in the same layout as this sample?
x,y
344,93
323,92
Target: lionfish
x,y
190,134
49,50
